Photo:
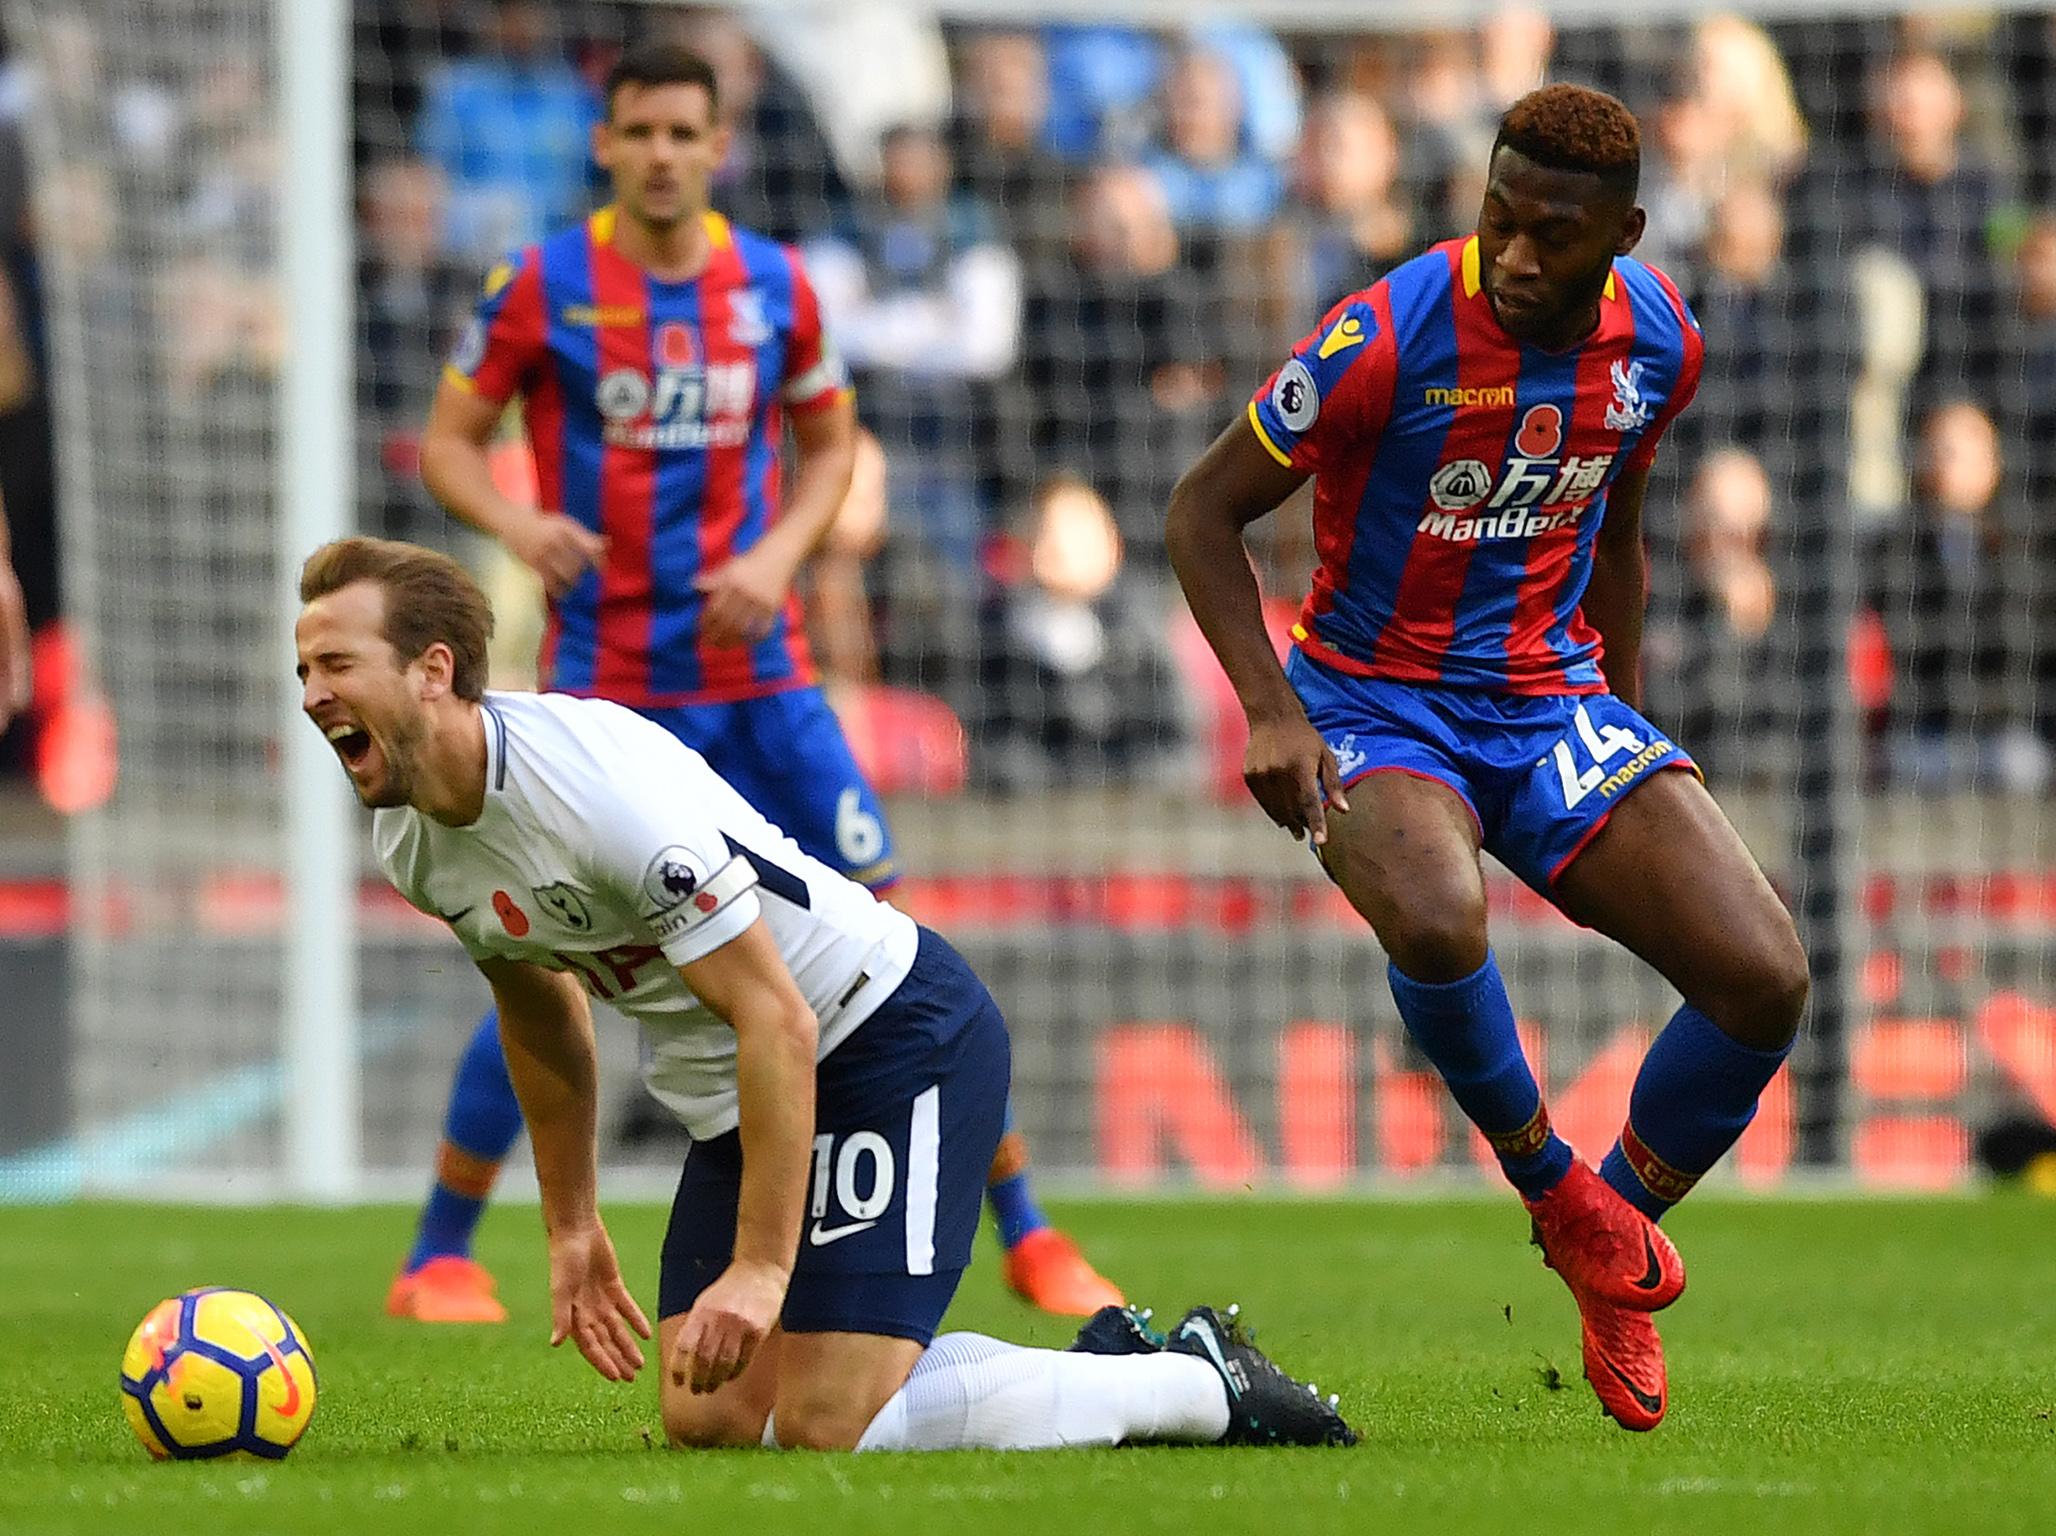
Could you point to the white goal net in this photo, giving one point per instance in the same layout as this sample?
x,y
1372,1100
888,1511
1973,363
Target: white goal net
x,y
1061,252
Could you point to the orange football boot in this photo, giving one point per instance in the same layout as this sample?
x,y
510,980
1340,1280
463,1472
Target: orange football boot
x,y
1624,1362
1603,1246
447,1289
1046,1270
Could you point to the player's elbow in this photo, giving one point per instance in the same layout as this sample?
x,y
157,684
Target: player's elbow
x,y
779,1021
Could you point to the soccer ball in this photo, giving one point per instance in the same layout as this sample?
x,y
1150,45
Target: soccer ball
x,y
217,1372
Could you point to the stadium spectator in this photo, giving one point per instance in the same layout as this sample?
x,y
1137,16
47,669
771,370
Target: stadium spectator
x,y
1266,82
1075,681
1954,587
1101,78
1449,122
1515,44
1212,182
1740,80
924,299
780,177
1351,218
1122,350
2026,371
1745,301
511,129
1718,653
412,297
864,68
1681,176
999,140
1928,196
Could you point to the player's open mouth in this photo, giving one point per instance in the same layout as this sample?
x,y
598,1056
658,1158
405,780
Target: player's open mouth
x,y
352,743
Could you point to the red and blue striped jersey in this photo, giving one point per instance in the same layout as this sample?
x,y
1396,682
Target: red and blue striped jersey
x,y
654,413
1460,477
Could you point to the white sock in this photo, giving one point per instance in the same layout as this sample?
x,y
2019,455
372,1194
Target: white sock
x,y
971,1392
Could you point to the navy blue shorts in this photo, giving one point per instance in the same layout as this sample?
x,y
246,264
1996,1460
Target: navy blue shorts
x,y
907,1117
785,753
1539,772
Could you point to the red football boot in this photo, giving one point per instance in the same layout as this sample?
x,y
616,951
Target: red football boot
x,y
1603,1246
1046,1270
448,1289
1624,1362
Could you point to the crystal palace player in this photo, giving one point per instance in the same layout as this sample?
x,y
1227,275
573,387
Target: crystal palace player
x,y
841,1072
1479,427
658,351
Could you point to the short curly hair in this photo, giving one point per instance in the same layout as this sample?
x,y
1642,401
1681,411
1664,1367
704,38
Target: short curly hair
x,y
1575,128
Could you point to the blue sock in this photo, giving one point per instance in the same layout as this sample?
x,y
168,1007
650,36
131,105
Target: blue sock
x,y
1696,1093
479,1129
1466,1029
1014,1209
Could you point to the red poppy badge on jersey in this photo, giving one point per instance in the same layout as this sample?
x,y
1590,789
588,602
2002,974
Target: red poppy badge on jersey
x,y
674,345
512,918
1541,432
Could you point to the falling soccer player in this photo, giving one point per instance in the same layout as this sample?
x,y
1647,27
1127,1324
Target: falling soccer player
x,y
840,1070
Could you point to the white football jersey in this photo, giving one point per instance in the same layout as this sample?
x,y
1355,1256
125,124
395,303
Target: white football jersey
x,y
609,849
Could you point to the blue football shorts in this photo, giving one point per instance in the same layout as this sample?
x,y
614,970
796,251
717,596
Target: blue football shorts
x,y
785,753
1540,773
907,1117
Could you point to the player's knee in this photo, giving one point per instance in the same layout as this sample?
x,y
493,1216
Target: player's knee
x,y
1767,999
709,1423
1437,936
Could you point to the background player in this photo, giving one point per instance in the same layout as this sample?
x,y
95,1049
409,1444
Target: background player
x,y
657,351
1479,427
830,1059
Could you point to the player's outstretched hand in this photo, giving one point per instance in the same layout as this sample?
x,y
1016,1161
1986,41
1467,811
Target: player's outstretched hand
x,y
722,1331
1293,775
558,549
16,665
742,597
590,1306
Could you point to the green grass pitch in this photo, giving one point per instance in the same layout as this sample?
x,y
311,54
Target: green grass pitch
x,y
1835,1367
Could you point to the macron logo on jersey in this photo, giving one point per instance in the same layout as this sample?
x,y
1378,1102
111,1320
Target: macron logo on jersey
x,y
1498,394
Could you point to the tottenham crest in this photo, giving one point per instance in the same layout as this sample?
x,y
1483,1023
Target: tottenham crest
x,y
566,904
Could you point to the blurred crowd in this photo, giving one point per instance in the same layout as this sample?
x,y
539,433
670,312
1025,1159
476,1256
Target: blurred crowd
x,y
1059,257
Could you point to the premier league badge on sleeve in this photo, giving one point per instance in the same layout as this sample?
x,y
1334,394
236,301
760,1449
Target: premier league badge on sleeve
x,y
1294,396
470,349
671,879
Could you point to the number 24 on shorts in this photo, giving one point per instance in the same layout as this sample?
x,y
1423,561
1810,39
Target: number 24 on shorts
x,y
1601,743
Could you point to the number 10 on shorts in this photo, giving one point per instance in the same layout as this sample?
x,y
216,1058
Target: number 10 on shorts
x,y
862,1175
1602,744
